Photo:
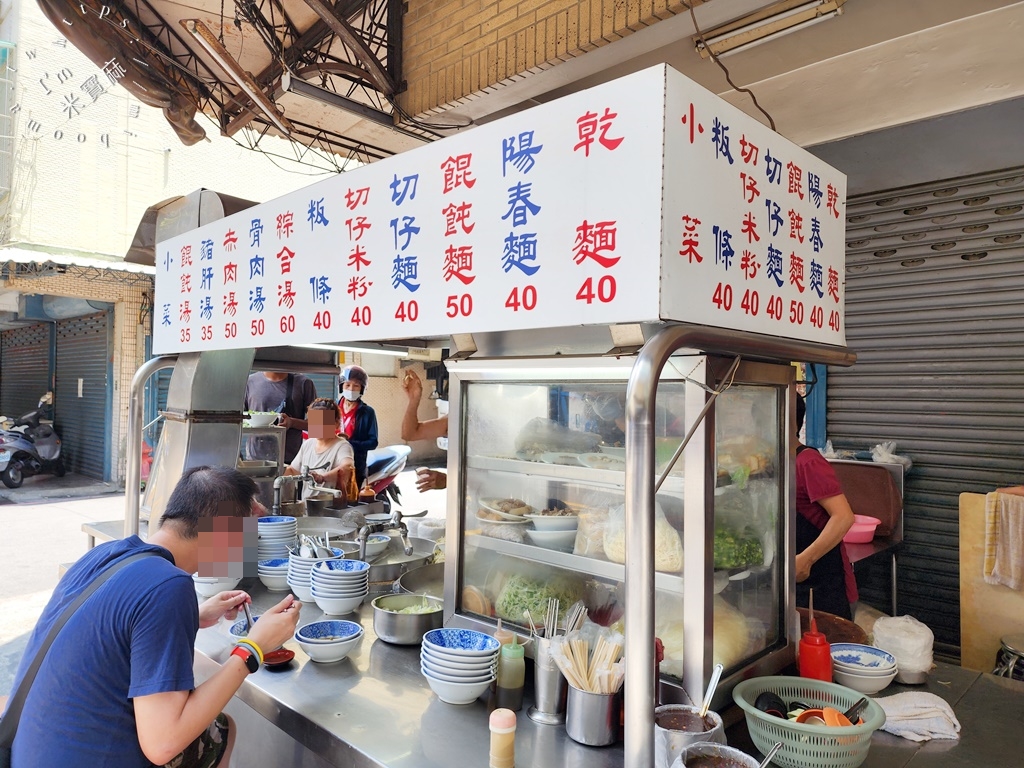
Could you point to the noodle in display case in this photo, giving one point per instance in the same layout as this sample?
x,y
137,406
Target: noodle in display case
x,y
538,491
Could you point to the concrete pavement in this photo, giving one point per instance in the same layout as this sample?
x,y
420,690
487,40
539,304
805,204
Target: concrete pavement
x,y
39,533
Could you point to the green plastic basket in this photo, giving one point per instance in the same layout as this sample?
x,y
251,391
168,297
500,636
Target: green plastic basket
x,y
808,746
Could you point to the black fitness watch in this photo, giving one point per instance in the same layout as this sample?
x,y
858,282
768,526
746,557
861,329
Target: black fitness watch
x,y
247,655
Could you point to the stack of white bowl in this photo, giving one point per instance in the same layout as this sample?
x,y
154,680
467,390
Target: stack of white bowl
x,y
274,573
276,536
208,586
863,668
339,586
459,664
330,640
300,569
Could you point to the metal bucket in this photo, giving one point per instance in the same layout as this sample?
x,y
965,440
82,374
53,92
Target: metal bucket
x,y
323,505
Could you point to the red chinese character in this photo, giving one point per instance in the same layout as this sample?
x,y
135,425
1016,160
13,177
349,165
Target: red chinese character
x,y
186,255
186,283
796,226
589,124
796,272
748,151
690,119
457,215
691,240
356,197
591,239
833,284
184,312
285,256
230,240
750,190
230,304
358,259
458,262
796,182
356,227
833,200
749,265
284,225
457,172
285,295
230,273
750,228
358,286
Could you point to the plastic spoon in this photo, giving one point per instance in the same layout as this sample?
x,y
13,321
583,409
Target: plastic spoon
x,y
716,675
770,755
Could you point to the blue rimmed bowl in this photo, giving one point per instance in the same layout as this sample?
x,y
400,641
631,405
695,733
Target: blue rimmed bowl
x,y
272,520
862,659
341,566
328,631
461,642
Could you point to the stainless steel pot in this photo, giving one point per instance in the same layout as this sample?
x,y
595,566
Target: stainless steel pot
x,y
405,628
320,505
427,580
394,562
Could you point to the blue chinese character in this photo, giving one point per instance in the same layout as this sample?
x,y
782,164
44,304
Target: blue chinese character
x,y
408,184
321,290
206,250
206,308
255,267
774,265
207,281
522,158
774,217
816,240
720,136
815,280
257,299
256,229
408,229
403,273
167,315
167,262
519,204
316,214
519,250
724,252
814,188
772,168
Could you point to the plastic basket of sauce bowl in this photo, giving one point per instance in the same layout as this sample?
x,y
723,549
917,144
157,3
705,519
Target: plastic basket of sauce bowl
x,y
808,746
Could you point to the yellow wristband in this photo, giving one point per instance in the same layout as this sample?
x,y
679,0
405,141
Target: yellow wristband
x,y
252,644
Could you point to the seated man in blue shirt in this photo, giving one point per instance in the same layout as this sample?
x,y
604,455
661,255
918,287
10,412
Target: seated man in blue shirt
x,y
116,687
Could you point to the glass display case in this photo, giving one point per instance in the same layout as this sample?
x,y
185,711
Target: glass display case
x,y
536,500
261,456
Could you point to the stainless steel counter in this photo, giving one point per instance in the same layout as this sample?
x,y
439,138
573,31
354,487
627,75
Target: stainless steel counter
x,y
375,708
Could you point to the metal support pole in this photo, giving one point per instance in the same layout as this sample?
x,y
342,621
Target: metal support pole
x,y
133,466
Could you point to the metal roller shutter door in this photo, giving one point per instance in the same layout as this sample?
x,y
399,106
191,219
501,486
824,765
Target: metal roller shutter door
x,y
935,276
24,368
325,383
82,409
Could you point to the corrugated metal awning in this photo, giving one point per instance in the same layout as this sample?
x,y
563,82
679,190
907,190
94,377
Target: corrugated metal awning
x,y
46,263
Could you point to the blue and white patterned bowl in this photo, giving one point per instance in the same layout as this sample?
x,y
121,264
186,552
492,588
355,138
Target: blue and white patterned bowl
x,y
275,564
272,520
346,566
328,631
862,658
467,642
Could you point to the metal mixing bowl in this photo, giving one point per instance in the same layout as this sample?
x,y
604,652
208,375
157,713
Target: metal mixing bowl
x,y
404,628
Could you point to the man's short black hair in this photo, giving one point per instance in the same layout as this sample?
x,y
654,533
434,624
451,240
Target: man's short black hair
x,y
208,492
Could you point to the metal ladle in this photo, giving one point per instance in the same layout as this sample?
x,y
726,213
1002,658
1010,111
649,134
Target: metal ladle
x,y
770,755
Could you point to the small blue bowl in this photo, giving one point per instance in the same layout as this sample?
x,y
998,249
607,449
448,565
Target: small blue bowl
x,y
462,640
277,562
338,628
238,628
347,566
275,519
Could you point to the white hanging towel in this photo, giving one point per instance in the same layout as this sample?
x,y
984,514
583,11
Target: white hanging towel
x,y
1004,540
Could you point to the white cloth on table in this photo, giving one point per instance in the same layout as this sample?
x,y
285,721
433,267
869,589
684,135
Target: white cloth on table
x,y
919,716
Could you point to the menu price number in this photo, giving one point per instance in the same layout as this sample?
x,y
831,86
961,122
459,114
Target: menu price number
x,y
206,332
288,324
230,330
361,316
322,321
257,327
603,291
459,305
522,299
186,335
408,311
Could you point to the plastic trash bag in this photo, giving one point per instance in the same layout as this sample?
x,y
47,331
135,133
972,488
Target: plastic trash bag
x,y
885,453
909,640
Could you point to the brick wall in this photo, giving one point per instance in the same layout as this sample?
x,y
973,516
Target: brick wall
x,y
456,48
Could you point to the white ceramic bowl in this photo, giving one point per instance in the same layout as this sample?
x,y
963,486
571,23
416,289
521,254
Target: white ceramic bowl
x,y
554,522
238,630
429,665
331,583
339,594
376,544
273,564
262,418
326,653
856,656
275,583
559,540
208,587
861,683
461,642
450,664
430,673
328,631
301,591
862,672
457,693
338,606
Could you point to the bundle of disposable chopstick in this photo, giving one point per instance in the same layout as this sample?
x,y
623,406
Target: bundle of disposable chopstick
x,y
592,666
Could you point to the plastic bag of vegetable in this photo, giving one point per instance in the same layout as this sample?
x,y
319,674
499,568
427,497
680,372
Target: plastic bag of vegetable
x,y
668,548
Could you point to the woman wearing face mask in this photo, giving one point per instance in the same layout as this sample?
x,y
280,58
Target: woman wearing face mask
x,y
358,421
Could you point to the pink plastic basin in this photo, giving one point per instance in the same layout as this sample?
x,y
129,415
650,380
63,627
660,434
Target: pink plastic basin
x,y
863,529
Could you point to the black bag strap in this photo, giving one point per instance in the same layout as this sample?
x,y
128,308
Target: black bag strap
x,y
291,402
9,723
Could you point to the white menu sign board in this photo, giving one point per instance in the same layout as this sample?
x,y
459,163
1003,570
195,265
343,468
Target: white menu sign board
x,y
599,208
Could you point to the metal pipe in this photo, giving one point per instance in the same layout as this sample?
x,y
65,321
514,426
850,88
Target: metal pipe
x,y
639,568
133,462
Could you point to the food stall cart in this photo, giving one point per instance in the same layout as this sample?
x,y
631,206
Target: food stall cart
x,y
640,254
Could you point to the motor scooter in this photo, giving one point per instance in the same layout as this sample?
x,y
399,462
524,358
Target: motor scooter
x,y
383,466
30,447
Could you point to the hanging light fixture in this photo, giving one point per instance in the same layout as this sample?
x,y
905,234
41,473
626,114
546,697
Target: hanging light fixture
x,y
769,24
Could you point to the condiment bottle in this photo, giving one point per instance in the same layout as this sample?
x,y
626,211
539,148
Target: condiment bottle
x,y
815,657
511,677
504,637
503,739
